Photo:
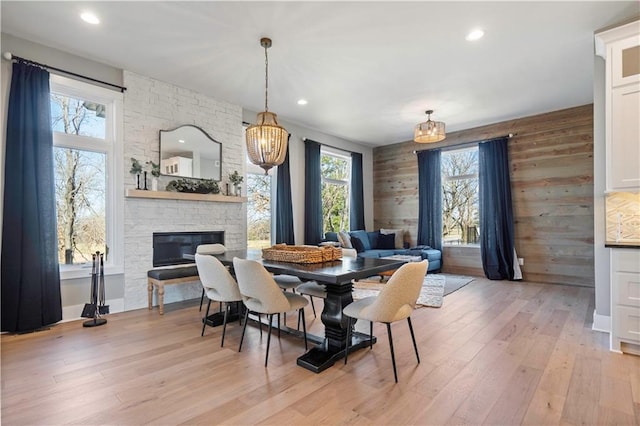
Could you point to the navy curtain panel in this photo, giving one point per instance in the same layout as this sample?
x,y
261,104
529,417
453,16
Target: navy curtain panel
x,y
496,210
429,199
312,193
30,272
356,202
284,210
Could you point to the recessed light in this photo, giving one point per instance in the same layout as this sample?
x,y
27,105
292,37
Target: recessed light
x,y
302,102
181,140
474,35
90,18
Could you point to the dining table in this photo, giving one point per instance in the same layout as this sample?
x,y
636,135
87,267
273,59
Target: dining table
x,y
337,276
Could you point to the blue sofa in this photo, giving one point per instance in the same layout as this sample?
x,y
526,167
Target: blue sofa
x,y
375,244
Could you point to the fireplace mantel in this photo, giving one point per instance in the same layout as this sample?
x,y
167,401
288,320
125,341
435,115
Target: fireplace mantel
x,y
169,195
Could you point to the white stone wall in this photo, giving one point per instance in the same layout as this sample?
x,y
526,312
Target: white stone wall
x,y
150,106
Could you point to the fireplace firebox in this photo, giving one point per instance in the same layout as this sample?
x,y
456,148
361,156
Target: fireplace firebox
x,y
170,248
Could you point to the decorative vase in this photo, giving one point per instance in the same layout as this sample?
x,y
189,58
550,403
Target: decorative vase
x,y
154,184
137,180
238,190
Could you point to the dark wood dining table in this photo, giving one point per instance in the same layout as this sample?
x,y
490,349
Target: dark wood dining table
x,y
337,277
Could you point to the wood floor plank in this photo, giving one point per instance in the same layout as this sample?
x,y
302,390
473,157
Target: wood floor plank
x,y
497,353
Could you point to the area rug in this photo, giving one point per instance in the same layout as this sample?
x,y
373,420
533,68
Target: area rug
x,y
434,288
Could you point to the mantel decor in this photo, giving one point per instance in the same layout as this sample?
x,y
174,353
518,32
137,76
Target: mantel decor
x,y
200,186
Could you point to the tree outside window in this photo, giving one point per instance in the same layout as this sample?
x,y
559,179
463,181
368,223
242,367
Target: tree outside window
x,y
335,170
80,178
258,210
460,214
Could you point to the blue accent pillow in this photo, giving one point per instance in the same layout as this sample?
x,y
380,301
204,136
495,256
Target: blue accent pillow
x,y
363,237
331,236
357,244
387,241
373,239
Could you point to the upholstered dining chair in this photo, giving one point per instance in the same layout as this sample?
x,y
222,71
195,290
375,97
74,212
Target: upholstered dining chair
x,y
218,285
396,301
313,289
209,249
261,295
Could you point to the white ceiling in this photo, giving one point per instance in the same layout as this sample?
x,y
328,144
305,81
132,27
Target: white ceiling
x,y
368,69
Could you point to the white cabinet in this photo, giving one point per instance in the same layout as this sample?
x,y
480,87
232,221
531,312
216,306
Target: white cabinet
x,y
620,47
177,166
625,300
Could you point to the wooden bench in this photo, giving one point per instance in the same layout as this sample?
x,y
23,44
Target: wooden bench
x,y
161,277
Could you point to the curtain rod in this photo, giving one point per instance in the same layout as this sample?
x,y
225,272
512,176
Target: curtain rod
x,y
10,57
464,144
331,146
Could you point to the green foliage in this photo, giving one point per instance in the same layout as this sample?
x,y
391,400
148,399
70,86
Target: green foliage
x,y
335,193
136,167
235,178
200,186
155,168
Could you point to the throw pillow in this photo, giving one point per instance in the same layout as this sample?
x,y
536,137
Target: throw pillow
x,y
387,241
364,238
344,239
357,243
399,236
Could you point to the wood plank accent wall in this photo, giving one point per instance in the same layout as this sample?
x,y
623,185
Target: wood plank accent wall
x,y
551,158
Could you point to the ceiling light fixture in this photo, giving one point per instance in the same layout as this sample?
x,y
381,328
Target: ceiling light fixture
x,y
429,131
302,102
474,35
90,18
266,140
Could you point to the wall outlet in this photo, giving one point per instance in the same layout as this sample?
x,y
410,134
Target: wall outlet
x,y
521,261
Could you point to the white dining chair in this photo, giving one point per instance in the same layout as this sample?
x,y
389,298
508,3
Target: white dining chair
x,y
261,295
219,285
395,302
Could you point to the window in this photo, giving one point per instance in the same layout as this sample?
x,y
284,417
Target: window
x,y
258,210
460,196
335,169
86,149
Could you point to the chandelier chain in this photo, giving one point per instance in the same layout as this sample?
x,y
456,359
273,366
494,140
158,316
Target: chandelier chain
x,y
266,79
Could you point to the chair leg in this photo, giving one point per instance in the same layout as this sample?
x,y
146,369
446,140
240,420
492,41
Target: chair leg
x,y
413,337
313,306
370,335
201,299
244,327
266,358
278,326
304,327
224,323
346,351
393,355
204,320
260,323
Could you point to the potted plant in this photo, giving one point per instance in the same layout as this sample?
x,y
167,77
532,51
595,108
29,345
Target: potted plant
x,y
204,186
136,169
155,172
236,179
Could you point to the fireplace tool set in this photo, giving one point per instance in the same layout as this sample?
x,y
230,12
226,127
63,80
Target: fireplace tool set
x,y
96,306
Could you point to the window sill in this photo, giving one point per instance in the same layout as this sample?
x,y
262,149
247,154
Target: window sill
x,y
84,271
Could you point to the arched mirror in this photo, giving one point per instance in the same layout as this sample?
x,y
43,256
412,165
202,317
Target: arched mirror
x,y
188,151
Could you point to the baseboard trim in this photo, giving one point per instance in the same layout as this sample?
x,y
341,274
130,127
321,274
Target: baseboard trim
x,y
72,313
601,322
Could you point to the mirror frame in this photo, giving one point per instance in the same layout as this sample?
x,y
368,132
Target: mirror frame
x,y
218,144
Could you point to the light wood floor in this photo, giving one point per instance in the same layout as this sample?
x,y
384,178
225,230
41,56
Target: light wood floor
x,y
498,353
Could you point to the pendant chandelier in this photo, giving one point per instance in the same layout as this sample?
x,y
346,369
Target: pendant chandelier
x,y
429,131
267,139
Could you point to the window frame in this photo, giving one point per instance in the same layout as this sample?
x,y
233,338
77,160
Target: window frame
x,y
112,147
333,152
468,176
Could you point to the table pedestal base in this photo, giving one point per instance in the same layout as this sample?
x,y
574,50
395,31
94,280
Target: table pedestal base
x,y
321,357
